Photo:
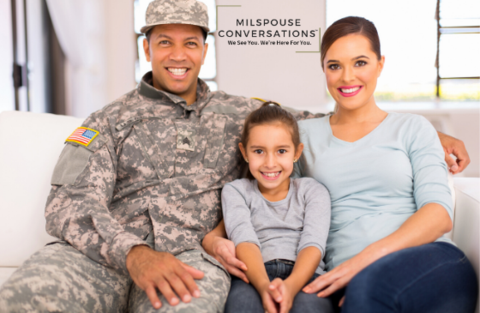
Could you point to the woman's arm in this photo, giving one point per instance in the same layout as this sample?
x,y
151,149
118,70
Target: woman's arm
x,y
425,226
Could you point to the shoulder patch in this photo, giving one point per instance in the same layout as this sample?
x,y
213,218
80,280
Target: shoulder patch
x,y
83,136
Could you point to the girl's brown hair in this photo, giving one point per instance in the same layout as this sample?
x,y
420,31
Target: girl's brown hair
x,y
270,113
350,25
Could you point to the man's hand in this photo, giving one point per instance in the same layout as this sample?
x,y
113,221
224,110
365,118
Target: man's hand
x,y
223,250
457,148
152,270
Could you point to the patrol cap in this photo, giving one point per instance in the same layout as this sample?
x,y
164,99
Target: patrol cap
x,y
161,12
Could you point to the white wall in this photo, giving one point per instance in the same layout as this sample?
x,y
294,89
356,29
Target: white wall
x,y
467,128
272,72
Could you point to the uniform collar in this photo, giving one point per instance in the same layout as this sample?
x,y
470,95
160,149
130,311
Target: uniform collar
x,y
145,88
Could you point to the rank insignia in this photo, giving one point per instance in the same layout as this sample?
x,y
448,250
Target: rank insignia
x,y
83,136
186,140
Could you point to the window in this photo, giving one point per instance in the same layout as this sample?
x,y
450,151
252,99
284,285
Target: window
x,y
458,48
209,69
408,37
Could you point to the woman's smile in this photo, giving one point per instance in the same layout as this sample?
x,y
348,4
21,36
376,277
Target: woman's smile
x,y
349,91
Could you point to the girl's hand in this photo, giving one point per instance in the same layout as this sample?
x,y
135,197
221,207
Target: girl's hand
x,y
269,298
282,293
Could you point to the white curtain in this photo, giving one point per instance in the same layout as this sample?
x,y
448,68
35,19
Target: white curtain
x,y
80,28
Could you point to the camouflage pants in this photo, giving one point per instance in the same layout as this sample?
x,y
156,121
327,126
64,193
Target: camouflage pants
x,y
58,278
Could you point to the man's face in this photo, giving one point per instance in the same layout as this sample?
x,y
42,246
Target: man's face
x,y
177,52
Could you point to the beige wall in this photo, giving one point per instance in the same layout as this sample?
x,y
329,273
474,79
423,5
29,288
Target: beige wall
x,y
272,72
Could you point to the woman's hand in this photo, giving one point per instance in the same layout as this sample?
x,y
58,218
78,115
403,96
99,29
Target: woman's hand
x,y
340,276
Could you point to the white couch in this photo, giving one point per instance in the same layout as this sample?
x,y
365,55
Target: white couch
x,y
30,144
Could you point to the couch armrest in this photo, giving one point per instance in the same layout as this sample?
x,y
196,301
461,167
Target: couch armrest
x,y
467,220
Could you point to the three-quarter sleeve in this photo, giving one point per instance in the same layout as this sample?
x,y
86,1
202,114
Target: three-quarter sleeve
x,y
430,173
236,215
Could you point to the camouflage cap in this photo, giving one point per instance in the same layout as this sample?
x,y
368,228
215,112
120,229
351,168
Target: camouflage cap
x,y
176,12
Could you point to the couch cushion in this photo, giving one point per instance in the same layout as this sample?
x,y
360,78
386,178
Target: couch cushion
x,y
30,144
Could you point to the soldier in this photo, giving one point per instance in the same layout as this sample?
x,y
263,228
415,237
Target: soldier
x,y
137,188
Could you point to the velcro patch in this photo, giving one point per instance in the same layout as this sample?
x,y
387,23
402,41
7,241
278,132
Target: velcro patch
x,y
83,136
186,140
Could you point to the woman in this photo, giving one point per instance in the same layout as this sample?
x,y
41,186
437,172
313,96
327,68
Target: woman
x,y
391,204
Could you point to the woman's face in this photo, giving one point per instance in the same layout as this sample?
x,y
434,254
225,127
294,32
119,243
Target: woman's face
x,y
351,69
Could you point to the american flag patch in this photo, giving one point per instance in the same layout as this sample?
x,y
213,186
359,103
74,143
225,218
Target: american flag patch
x,y
83,136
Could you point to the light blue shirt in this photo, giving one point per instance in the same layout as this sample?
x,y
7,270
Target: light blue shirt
x,y
377,182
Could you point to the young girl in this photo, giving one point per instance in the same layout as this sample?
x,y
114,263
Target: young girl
x,y
279,225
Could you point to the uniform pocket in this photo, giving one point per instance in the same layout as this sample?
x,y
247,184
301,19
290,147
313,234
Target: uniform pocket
x,y
215,140
162,158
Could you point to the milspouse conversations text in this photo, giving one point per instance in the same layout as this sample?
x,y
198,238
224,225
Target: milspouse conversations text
x,y
256,33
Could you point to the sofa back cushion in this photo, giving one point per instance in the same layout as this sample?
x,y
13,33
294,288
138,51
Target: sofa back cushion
x,y
30,144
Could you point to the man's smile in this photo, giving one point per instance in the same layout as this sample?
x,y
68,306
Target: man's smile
x,y
177,72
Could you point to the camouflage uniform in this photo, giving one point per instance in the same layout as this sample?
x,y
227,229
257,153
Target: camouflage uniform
x,y
155,170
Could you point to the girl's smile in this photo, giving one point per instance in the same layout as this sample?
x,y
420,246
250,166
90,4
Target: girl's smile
x,y
270,153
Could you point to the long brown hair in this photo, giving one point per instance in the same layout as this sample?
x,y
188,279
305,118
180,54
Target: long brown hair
x,y
350,25
270,113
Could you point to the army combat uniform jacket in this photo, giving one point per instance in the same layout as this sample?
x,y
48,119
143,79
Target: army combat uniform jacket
x,y
153,165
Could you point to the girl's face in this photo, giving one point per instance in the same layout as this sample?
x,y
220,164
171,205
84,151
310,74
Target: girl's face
x,y
270,152
351,69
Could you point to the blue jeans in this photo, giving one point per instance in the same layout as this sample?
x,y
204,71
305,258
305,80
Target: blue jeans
x,y
432,278
244,297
